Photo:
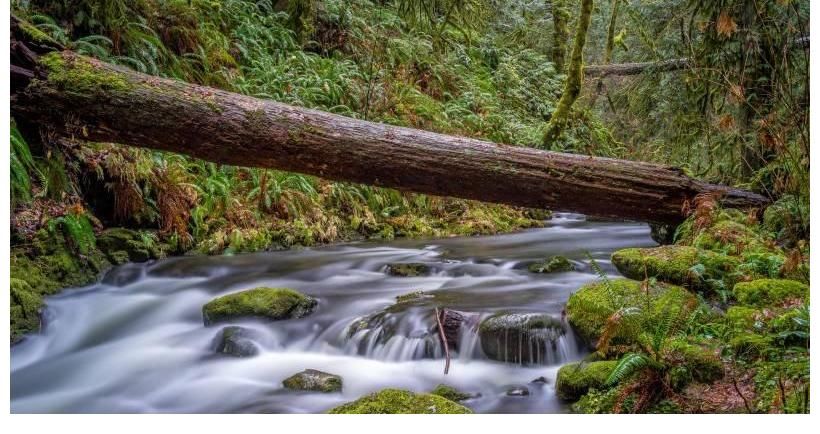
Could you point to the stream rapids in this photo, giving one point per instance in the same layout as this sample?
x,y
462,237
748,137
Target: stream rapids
x,y
135,342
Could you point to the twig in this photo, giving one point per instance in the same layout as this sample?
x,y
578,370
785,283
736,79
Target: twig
x,y
444,342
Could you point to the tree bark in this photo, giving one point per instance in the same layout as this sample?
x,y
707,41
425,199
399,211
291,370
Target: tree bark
x,y
560,16
83,98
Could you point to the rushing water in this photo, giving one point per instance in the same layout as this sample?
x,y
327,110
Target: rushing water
x,y
135,341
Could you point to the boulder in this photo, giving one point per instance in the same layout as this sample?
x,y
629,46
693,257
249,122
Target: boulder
x,y
679,265
395,401
520,337
267,303
770,292
576,379
235,341
589,308
408,269
314,381
555,264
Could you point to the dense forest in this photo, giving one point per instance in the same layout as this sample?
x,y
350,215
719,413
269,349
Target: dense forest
x,y
712,317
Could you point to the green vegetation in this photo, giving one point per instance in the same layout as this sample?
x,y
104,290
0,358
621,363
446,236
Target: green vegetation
x,y
394,401
268,303
716,322
675,351
450,393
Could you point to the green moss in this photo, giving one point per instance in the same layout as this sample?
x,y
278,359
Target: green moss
x,y
450,393
768,292
35,34
589,309
555,264
81,75
680,265
411,296
750,345
741,318
42,269
268,303
700,364
395,401
597,401
576,379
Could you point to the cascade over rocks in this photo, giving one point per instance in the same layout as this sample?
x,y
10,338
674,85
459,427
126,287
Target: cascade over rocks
x,y
521,337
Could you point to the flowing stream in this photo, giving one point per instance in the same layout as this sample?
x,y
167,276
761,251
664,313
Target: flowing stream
x,y
135,341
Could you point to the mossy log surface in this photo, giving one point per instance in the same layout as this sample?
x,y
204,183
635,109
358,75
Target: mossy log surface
x,y
87,99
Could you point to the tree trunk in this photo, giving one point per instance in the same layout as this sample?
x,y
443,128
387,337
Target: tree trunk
x,y
560,16
83,98
575,77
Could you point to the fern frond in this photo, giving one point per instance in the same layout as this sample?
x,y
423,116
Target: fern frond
x,y
627,366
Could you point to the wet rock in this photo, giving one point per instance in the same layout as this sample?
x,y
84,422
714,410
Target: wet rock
x,y
540,380
555,264
453,394
395,401
267,303
235,341
408,269
314,381
518,391
575,379
520,337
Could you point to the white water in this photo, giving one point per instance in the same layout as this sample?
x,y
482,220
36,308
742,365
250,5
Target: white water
x,y
135,342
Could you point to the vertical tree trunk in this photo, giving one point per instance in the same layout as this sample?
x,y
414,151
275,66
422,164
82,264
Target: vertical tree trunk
x,y
560,16
575,78
610,47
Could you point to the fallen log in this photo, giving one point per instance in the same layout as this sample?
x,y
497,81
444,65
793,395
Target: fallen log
x,y
84,98
635,68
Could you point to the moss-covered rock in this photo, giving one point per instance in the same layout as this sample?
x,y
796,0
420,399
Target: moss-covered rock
x,y
698,363
314,381
268,303
679,265
770,292
555,264
750,346
520,337
235,341
589,309
121,245
451,393
395,401
408,269
576,379
47,265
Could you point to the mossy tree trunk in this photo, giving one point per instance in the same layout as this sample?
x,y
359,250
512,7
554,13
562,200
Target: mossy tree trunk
x,y
575,77
560,17
84,98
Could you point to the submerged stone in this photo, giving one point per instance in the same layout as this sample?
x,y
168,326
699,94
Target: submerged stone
x,y
555,264
518,391
395,401
521,337
314,380
576,379
408,269
235,341
267,303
